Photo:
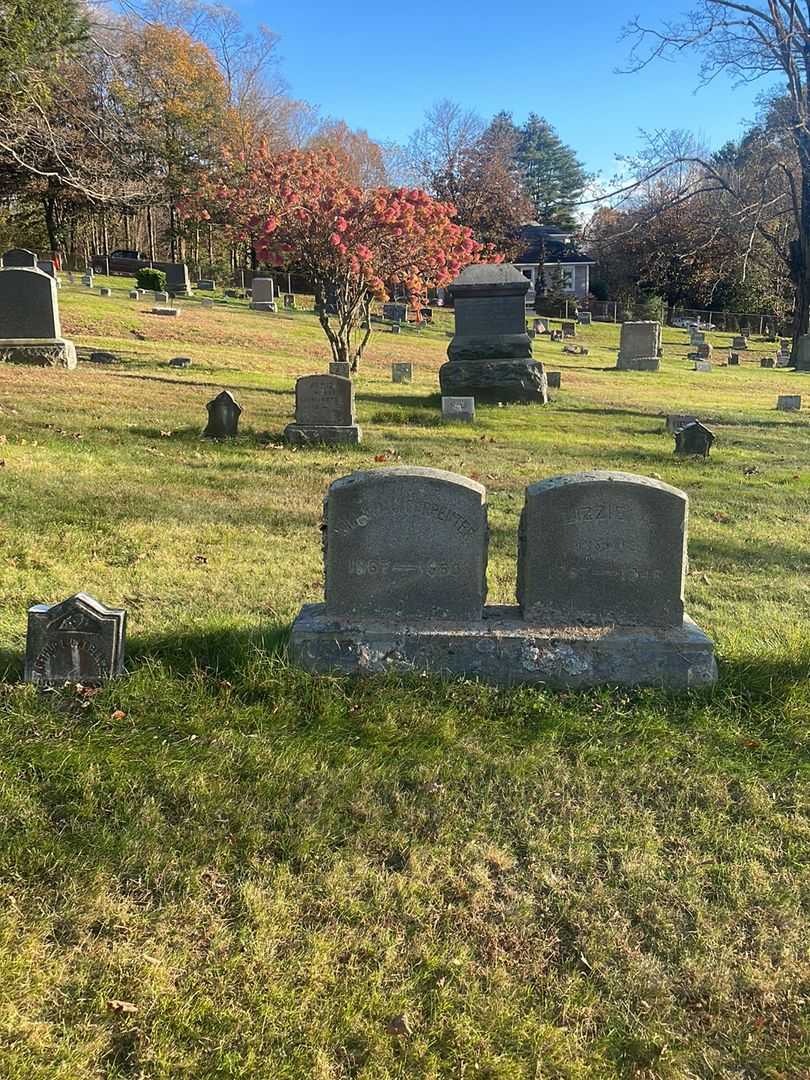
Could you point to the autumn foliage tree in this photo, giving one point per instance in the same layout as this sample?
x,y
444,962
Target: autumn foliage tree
x,y
354,245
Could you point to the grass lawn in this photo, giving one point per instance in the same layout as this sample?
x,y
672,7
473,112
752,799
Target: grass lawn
x,y
220,867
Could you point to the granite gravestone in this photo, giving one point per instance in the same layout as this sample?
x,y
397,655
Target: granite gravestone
x,y
734,360
103,357
569,329
602,548
47,266
676,421
789,402
340,367
405,558
696,337
405,543
79,640
490,355
585,318
553,379
180,362
134,294
395,328
639,347
206,284
103,291
402,372
768,362
703,366
223,417
704,351
289,302
263,294
87,280
458,408
161,297
169,312
178,282
695,439
30,330
396,313
740,343
324,411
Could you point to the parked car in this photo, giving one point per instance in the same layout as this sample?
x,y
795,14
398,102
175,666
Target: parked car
x,y
684,322
120,262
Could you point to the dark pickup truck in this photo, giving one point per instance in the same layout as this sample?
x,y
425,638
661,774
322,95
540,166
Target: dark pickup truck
x,y
121,262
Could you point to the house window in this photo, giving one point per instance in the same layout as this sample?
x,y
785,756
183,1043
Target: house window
x,y
567,278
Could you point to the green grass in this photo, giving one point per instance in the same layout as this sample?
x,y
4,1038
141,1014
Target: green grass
x,y
272,868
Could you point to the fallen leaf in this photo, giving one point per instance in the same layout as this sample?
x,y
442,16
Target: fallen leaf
x,y
117,1006
166,434
400,1026
718,515
119,714
200,559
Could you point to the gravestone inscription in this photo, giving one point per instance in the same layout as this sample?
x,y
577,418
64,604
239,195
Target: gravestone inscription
x,y
601,548
409,543
458,408
79,640
324,411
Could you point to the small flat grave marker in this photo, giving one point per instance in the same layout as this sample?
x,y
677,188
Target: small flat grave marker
x,y
789,402
458,408
180,362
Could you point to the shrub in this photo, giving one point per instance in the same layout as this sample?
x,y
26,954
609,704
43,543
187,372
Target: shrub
x,y
150,278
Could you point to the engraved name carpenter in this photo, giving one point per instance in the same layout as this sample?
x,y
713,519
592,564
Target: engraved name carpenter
x,y
628,574
411,506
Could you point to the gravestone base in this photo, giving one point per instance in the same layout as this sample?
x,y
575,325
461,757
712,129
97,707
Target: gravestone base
x,y
495,380
638,363
263,305
38,352
504,650
308,434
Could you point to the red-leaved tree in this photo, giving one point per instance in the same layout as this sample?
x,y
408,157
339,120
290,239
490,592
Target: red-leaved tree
x,y
301,212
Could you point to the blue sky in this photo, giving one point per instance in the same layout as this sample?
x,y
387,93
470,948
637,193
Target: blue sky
x,y
381,71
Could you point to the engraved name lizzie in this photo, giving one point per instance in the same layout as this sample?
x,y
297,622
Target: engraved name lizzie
x,y
410,507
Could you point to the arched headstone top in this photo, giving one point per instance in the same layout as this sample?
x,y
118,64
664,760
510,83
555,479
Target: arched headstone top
x,y
29,308
601,548
407,543
19,257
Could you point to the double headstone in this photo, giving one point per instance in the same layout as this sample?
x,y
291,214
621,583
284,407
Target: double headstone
x,y
30,331
324,411
490,355
263,296
639,346
77,641
601,565
396,313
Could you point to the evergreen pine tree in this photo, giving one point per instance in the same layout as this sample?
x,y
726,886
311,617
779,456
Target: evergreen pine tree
x,y
554,177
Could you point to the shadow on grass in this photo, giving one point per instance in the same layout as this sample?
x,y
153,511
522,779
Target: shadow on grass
x,y
222,651
198,384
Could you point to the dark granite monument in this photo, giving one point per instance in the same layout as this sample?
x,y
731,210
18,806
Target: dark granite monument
x,y
694,438
30,331
223,417
490,356
79,640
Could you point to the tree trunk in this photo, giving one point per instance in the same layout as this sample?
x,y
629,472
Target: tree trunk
x,y
52,221
150,233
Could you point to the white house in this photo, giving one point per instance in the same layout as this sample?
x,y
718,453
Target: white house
x,y
554,250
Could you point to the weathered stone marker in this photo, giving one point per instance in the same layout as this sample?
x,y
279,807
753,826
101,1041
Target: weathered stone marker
x,y
206,284
79,640
30,330
103,357
767,362
178,283
324,411
585,318
694,438
569,329
789,402
734,360
703,365
458,408
409,543
289,301
740,343
602,556
639,347
169,312
161,297
676,421
553,379
134,294
397,313
180,362
223,417
340,367
263,294
103,291
602,548
401,372
490,355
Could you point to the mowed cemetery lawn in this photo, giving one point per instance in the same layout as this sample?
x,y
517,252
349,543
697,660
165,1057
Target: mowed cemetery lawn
x,y
220,867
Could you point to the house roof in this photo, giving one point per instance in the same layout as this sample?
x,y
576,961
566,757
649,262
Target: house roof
x,y
551,244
